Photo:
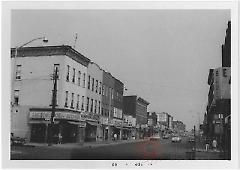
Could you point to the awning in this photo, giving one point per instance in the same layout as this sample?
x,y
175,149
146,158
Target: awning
x,y
41,122
93,123
82,124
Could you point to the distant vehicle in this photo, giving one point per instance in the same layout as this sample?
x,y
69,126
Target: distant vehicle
x,y
17,140
154,138
166,136
191,139
176,139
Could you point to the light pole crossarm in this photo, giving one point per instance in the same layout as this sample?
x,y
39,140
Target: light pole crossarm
x,y
30,42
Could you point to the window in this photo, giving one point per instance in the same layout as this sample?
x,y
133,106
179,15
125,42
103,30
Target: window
x,y
106,91
112,93
72,101
82,107
66,99
91,108
68,68
99,107
56,66
95,107
102,111
84,79
78,102
96,86
92,84
79,77
100,87
73,78
89,79
16,97
103,90
18,72
87,106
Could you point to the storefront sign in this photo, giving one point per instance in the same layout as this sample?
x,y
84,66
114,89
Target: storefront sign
x,y
117,122
58,115
90,116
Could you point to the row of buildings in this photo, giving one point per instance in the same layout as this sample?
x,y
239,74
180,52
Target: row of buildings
x,y
217,119
90,105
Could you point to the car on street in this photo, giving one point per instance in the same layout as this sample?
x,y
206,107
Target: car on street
x,y
154,138
191,139
176,139
166,136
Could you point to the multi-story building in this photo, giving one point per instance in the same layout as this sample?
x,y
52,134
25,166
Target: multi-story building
x,y
129,126
217,119
93,131
32,87
152,123
137,107
179,126
107,105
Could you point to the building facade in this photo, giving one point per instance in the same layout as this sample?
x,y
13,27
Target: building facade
x,y
32,88
152,124
137,107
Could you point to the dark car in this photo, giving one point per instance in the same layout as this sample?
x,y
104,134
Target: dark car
x,y
17,140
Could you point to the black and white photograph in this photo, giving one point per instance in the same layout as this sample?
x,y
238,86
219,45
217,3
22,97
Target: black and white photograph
x,y
130,86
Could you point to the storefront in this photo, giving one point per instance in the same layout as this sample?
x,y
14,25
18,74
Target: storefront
x,y
67,124
117,129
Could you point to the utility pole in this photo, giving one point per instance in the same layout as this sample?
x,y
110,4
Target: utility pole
x,y
50,126
194,130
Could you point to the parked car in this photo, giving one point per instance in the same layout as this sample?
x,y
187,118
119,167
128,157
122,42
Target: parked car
x,y
176,139
154,138
166,136
191,139
17,140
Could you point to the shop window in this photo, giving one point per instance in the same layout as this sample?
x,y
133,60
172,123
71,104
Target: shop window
x,y
16,97
66,99
18,72
67,77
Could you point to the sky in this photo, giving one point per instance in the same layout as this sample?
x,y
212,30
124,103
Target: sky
x,y
163,56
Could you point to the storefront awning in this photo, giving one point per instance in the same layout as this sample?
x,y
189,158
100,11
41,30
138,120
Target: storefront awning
x,y
93,123
77,123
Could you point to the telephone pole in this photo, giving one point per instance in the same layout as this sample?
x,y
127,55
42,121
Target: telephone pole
x,y
50,126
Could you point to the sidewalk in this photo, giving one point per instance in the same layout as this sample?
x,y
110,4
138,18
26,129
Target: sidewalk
x,y
86,144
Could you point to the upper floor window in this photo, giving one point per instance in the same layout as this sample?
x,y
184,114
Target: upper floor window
x,y
68,68
106,91
82,106
87,106
92,84
96,86
89,79
112,93
91,107
78,102
73,78
72,101
103,90
18,72
99,107
95,107
84,79
66,99
79,77
16,97
100,87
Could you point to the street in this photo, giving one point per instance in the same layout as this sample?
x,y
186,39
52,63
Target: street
x,y
162,149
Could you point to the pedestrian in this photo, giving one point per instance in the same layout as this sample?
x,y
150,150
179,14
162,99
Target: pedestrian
x,y
207,144
214,144
59,138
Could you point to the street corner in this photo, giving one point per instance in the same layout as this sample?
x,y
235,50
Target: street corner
x,y
149,150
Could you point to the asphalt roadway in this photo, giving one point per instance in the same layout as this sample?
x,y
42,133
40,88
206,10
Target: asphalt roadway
x,y
146,150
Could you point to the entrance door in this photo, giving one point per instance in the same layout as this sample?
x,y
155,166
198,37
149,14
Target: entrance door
x,y
38,133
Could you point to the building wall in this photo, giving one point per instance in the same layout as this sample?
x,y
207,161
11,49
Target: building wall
x,y
118,99
141,112
129,105
94,71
